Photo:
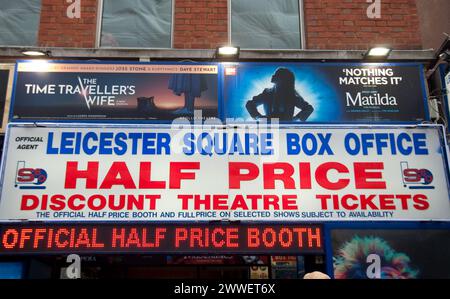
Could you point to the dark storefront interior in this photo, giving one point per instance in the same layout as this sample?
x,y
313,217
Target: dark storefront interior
x,y
172,267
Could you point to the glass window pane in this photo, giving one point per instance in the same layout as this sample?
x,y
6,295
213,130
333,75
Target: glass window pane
x,y
265,24
19,22
136,23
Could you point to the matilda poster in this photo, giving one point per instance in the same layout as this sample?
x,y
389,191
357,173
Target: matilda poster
x,y
324,92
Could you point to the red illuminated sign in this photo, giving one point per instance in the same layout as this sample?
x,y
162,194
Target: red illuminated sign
x,y
164,238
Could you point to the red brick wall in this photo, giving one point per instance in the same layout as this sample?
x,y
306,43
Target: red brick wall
x,y
343,24
200,24
57,30
203,24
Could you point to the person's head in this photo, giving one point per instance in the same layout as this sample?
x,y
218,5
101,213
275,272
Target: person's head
x,y
316,275
283,78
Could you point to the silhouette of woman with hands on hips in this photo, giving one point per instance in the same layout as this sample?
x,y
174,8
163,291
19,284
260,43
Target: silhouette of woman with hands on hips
x,y
280,100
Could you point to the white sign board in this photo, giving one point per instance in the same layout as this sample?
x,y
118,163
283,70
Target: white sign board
x,y
302,173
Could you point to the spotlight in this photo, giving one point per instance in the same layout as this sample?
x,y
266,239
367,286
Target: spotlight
x,y
35,53
227,52
378,52
445,56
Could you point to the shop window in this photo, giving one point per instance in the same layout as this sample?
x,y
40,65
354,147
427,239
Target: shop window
x,y
19,22
265,24
136,24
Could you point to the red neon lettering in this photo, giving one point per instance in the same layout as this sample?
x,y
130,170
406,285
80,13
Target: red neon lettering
x,y
60,232
50,238
6,236
253,237
206,238
314,238
288,233
83,239
269,232
24,235
215,238
160,235
232,238
118,236
181,235
133,238
96,244
38,236
72,238
196,235
145,243
300,231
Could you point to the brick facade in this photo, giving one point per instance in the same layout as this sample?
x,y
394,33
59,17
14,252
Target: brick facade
x,y
57,30
343,24
203,24
200,24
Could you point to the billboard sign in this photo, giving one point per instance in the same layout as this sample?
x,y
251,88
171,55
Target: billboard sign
x,y
305,173
114,91
324,92
160,238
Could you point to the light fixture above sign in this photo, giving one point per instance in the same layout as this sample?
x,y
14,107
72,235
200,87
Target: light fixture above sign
x,y
378,52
